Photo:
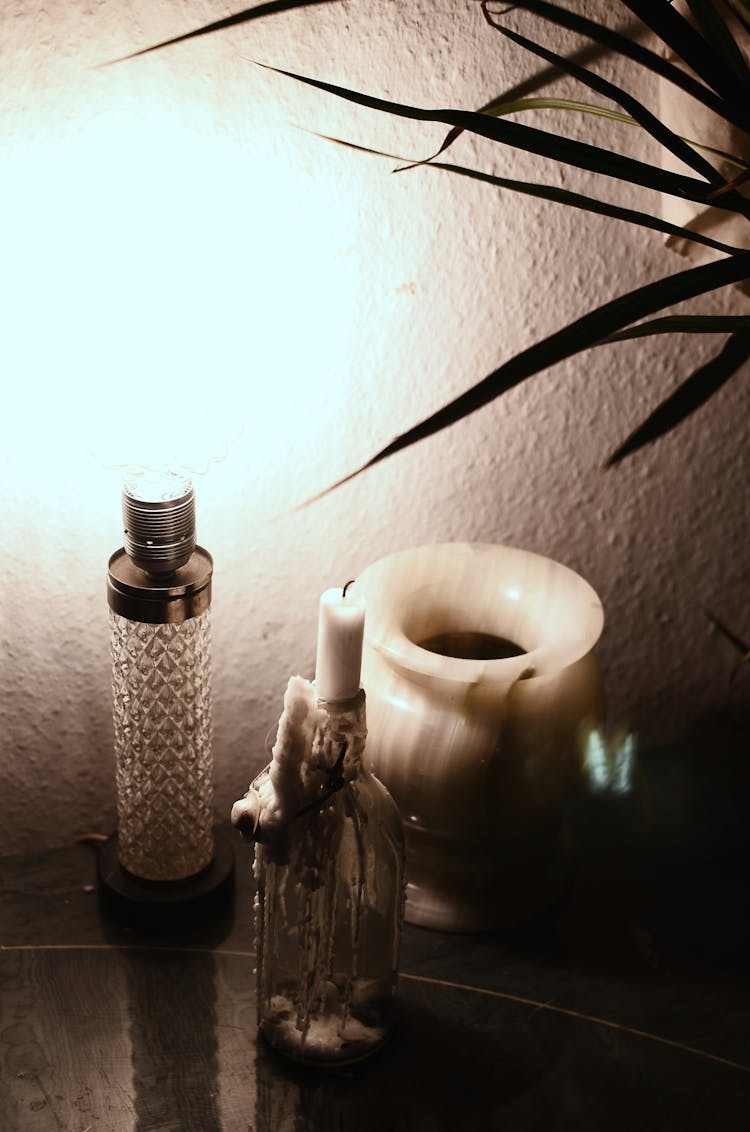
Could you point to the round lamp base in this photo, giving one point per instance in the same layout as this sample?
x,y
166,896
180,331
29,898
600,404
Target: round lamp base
x,y
163,904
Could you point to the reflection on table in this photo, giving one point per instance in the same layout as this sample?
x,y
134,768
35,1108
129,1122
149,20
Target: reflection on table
x,y
625,1005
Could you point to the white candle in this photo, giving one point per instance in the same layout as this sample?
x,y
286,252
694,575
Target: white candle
x,y
341,626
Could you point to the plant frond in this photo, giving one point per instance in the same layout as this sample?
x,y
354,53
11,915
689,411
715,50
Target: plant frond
x,y
544,144
738,115
737,642
587,204
715,31
741,10
683,324
521,105
736,183
688,397
690,46
552,193
270,8
658,130
572,339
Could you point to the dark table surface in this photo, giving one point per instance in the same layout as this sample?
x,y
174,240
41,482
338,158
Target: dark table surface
x,y
626,1006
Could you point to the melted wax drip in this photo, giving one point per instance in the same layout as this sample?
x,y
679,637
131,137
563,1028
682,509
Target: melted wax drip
x,y
318,1012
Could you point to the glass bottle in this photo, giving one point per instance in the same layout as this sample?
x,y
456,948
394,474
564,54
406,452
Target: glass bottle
x,y
329,908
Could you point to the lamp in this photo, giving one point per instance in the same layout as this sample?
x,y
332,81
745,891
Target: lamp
x,y
165,857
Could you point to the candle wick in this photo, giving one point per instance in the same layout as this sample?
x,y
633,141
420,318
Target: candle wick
x,y
346,587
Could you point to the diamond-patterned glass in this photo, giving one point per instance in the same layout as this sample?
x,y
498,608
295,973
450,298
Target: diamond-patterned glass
x,y
161,684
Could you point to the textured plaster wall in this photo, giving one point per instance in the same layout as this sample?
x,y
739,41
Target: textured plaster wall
x,y
185,263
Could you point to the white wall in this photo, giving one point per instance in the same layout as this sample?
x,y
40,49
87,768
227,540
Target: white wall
x,y
187,270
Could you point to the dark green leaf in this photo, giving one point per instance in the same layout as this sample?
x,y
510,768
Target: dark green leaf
x,y
557,196
736,183
683,324
739,115
741,10
521,105
544,144
693,393
271,8
499,109
587,53
631,105
517,106
587,204
675,31
716,32
740,645
579,335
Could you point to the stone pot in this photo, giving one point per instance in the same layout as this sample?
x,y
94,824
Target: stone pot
x,y
480,751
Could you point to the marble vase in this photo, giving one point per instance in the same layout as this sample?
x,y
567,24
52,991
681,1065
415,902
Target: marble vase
x,y
480,750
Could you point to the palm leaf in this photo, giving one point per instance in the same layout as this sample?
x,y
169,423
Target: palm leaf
x,y
723,85
677,33
587,53
522,105
500,109
270,8
738,643
739,115
554,194
585,203
740,9
683,324
577,336
693,393
715,31
565,150
736,183
636,109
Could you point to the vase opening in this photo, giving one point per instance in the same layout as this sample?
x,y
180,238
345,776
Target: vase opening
x,y
470,644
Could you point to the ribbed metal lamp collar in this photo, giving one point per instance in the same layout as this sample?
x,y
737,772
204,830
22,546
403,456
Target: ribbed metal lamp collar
x,y
160,576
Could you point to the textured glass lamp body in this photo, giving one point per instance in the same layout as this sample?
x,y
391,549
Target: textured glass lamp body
x,y
159,594
162,726
328,918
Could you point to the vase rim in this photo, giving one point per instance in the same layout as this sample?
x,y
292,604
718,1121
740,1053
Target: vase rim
x,y
526,575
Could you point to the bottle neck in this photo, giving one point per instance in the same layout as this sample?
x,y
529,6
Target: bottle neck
x,y
346,729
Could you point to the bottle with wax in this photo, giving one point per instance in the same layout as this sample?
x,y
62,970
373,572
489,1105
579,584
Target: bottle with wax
x,y
329,863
